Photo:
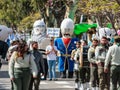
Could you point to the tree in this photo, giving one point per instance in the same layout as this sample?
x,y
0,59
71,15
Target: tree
x,y
103,10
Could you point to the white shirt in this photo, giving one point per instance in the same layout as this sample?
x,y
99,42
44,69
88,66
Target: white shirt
x,y
51,55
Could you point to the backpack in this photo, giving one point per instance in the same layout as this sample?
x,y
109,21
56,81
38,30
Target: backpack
x,y
85,52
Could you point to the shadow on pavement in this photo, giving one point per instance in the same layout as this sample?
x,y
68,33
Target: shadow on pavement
x,y
4,74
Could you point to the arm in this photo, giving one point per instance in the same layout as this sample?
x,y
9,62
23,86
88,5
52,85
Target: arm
x,y
47,51
33,66
11,66
81,57
108,58
90,58
97,54
41,63
55,49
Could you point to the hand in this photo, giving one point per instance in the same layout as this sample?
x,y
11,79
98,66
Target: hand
x,y
0,56
34,76
81,65
106,70
97,62
12,79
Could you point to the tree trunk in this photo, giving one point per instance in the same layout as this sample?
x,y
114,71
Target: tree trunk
x,y
118,1
71,9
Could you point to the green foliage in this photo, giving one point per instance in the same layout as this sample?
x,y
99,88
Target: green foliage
x,y
24,12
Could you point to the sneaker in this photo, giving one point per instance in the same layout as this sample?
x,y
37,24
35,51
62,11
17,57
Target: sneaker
x,y
55,79
50,79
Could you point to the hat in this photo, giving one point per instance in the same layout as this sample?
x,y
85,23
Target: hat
x,y
118,32
117,39
52,39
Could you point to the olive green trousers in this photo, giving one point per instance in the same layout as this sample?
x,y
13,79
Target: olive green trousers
x,y
22,79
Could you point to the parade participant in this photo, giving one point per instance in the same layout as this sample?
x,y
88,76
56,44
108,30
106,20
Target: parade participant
x,y
39,35
65,45
100,55
113,58
75,56
21,65
38,58
84,66
51,52
4,33
94,81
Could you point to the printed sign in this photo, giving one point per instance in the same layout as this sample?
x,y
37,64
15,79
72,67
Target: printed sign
x,y
53,32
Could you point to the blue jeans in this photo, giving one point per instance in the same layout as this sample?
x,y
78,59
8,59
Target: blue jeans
x,y
51,68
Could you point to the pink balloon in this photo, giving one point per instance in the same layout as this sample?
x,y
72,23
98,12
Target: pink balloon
x,y
118,32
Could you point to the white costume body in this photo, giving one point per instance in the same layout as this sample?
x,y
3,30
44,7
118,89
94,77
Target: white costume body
x,y
39,35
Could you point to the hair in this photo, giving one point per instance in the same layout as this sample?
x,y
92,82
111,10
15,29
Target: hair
x,y
117,39
104,38
78,42
34,42
85,41
21,49
13,43
52,39
95,40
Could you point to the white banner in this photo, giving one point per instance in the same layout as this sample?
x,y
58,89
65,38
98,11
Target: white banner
x,y
53,32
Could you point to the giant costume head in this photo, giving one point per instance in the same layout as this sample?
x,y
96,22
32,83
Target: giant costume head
x,y
39,27
67,27
105,32
4,32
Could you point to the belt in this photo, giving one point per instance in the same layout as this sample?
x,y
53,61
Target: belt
x,y
23,68
115,65
66,55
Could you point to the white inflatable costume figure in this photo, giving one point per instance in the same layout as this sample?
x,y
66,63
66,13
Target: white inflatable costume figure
x,y
4,32
39,35
65,45
105,32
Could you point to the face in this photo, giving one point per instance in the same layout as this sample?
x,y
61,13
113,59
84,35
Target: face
x,y
94,43
83,43
67,27
26,47
103,41
39,30
35,46
67,32
77,45
39,27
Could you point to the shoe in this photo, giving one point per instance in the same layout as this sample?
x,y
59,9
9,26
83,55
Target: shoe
x,y
55,79
63,76
50,79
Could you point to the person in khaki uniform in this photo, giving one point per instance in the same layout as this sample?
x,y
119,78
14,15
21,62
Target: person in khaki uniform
x,y
100,55
75,56
20,66
93,66
113,57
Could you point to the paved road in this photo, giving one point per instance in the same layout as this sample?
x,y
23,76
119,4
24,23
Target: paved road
x,y
61,84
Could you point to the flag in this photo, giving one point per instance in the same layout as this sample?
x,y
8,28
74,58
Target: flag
x,y
81,28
